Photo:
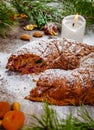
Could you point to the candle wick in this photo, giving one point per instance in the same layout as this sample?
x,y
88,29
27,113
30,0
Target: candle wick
x,y
73,24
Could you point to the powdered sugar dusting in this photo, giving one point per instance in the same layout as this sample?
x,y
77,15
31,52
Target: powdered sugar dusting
x,y
13,83
35,47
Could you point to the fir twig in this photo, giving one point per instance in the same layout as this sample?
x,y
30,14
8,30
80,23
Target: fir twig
x,y
49,120
43,11
6,21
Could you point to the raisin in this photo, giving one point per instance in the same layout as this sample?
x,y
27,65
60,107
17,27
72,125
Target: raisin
x,y
38,61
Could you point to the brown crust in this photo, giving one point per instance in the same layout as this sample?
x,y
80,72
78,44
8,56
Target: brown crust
x,y
60,87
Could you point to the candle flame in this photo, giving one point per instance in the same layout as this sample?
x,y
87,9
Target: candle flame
x,y
76,17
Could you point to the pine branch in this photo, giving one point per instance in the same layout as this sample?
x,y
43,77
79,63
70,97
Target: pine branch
x,y
49,120
42,11
5,18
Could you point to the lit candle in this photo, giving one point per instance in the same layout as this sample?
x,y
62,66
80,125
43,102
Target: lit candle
x,y
73,27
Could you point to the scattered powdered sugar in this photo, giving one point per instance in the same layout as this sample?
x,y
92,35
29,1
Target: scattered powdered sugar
x,y
14,83
3,59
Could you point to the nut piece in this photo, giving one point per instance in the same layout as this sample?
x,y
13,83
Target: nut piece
x,y
25,37
16,106
38,34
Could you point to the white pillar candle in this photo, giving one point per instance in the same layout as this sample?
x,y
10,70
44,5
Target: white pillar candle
x,y
73,28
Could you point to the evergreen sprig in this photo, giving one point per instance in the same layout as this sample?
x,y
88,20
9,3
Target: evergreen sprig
x,y
42,11
49,120
6,22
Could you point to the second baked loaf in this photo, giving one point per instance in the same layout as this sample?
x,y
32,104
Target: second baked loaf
x,y
66,87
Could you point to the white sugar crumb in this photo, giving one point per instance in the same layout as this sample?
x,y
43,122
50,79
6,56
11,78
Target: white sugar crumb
x,y
3,59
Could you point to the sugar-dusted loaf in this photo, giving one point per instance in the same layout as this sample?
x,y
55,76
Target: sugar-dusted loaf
x,y
67,68
38,56
66,87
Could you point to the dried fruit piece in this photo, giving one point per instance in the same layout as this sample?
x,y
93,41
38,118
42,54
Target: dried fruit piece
x,y
4,107
22,16
50,29
13,120
38,34
25,37
30,27
18,16
16,106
